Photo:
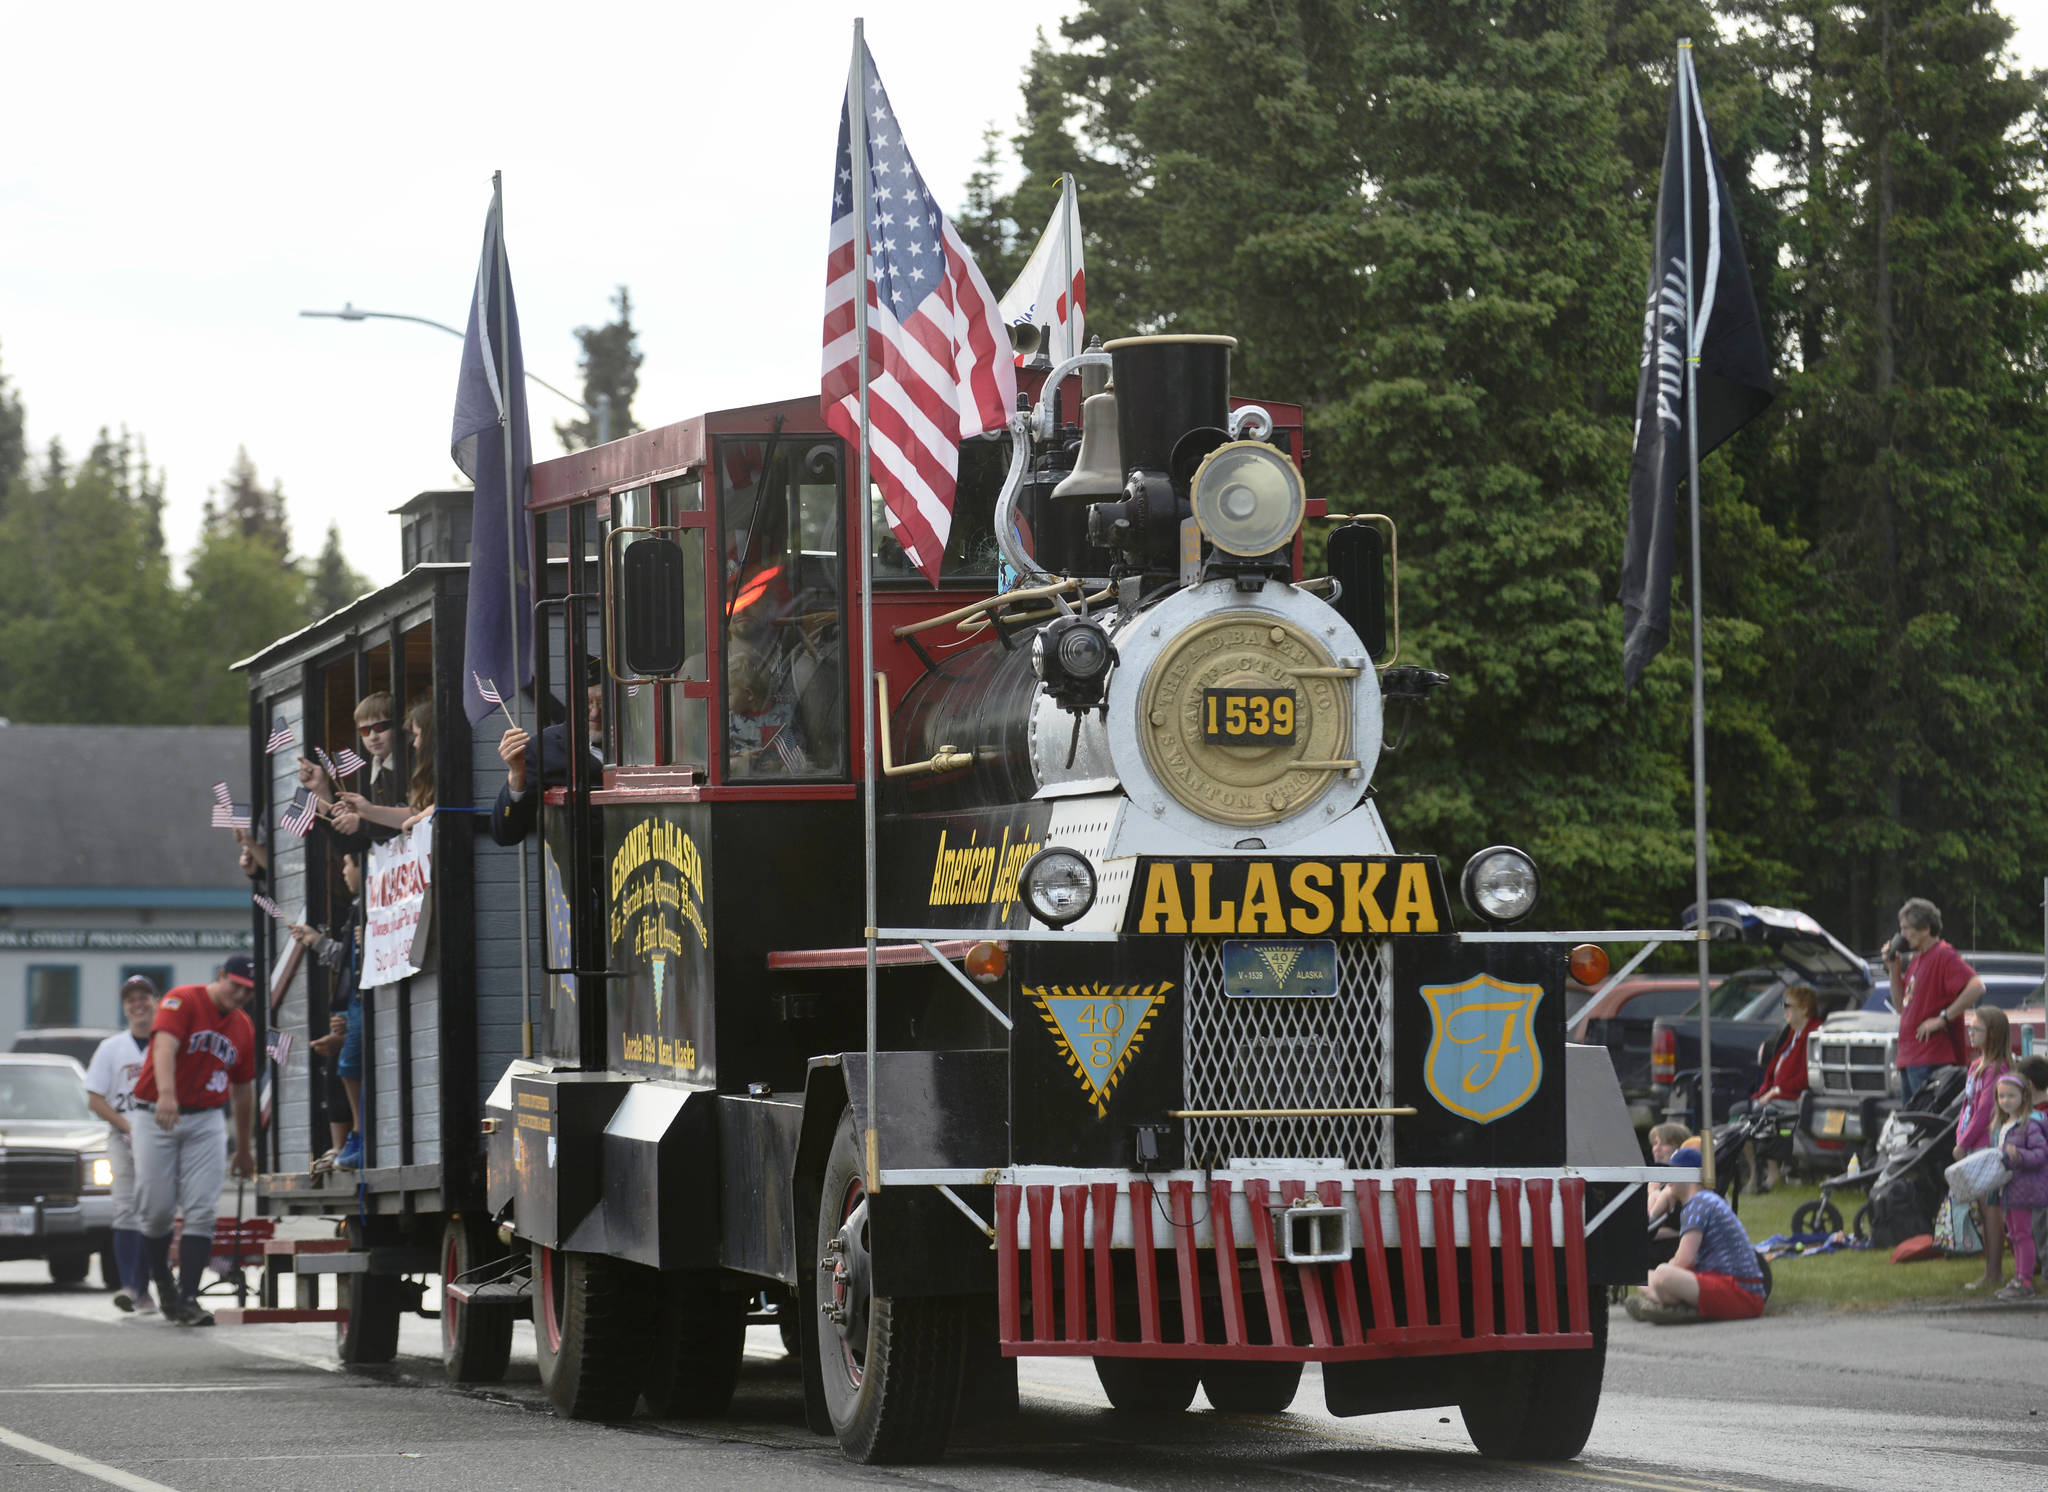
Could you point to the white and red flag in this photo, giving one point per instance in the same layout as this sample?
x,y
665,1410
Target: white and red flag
x,y
280,737
1051,292
940,369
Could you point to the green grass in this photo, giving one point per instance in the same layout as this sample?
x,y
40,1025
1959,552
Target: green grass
x,y
1858,1280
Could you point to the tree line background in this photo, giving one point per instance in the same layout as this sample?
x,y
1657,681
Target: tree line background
x,y
96,627
1429,223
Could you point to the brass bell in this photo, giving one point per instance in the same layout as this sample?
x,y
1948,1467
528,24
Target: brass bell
x,y
1099,469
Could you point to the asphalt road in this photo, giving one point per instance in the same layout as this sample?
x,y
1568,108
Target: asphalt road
x,y
89,1399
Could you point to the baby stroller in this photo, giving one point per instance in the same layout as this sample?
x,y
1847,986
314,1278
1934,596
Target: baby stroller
x,y
1767,1126
1907,1182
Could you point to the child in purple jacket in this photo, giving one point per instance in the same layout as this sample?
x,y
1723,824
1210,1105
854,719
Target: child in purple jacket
x,y
2022,1137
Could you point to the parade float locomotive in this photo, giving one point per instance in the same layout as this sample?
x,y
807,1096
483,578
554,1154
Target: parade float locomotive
x,y
1171,1059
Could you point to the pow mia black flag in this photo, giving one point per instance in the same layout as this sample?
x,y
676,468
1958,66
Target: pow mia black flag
x,y
1731,367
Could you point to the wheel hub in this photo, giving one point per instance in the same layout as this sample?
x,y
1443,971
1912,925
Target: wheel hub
x,y
849,1294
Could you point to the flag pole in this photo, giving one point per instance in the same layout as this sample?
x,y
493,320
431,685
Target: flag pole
x,y
512,517
1689,114
857,144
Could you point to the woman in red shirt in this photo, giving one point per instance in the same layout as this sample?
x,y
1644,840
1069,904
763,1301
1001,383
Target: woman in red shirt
x,y
1785,1072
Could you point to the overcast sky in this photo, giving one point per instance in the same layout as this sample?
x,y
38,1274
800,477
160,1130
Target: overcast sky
x,y
178,182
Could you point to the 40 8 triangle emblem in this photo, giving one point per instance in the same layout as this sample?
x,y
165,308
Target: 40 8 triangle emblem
x,y
1099,1028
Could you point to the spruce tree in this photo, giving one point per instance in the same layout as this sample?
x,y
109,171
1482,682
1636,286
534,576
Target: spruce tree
x,y
332,583
244,507
13,438
611,375
1916,458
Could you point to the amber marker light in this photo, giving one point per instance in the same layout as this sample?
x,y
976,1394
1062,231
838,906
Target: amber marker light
x,y
987,962
1589,963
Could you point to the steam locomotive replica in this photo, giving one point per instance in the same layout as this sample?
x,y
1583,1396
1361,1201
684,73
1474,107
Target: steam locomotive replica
x,y
1170,1059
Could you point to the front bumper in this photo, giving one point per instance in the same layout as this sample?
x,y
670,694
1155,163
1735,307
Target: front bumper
x,y
52,1229
1440,1264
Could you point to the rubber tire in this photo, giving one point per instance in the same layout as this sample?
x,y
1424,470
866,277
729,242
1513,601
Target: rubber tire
x,y
1251,1387
696,1362
70,1268
902,1409
1149,1385
1540,1406
110,1271
476,1345
1763,1267
1860,1228
369,1333
1816,1217
593,1348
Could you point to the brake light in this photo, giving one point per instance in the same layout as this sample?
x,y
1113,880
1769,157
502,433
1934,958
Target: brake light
x,y
1663,1056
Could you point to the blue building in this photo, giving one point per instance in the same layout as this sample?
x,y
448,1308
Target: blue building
x,y
108,867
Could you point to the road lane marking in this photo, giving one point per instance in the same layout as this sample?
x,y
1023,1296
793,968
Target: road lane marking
x,y
149,1388
113,1476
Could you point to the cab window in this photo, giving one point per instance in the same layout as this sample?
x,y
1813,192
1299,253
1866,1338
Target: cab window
x,y
781,502
971,555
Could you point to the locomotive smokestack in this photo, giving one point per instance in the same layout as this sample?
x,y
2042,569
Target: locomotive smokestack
x,y
1166,387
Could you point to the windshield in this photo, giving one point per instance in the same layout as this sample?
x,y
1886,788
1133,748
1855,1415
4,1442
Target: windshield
x,y
41,1092
1740,992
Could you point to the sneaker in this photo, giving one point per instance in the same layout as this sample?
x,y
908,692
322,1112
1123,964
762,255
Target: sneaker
x,y
351,1156
1655,1313
192,1315
144,1306
123,1301
2017,1290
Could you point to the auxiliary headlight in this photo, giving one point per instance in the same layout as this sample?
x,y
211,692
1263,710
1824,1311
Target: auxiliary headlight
x,y
99,1172
1500,884
1059,885
1248,498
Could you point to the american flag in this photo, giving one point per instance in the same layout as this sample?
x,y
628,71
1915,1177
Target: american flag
x,y
347,763
227,813
327,762
299,814
280,737
269,908
939,362
279,1046
487,689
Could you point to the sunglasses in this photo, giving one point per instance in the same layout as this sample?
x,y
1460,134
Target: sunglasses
x,y
373,726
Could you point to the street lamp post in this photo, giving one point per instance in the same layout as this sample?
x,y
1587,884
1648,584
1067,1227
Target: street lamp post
x,y
601,415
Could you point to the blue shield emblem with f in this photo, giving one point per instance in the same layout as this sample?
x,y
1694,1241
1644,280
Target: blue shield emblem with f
x,y
1482,1060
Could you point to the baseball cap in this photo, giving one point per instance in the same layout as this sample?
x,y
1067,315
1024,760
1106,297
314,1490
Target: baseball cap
x,y
139,984
241,968
1688,1155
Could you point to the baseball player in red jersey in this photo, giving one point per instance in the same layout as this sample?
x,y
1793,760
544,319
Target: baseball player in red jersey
x,y
202,1057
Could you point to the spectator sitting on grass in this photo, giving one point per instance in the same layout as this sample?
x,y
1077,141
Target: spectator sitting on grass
x,y
1714,1276
1665,1141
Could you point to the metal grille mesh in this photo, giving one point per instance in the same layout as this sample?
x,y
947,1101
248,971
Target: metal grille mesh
x,y
1265,1053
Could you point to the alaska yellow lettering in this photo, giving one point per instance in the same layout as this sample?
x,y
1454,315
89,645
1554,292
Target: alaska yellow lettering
x,y
1162,911
1208,919
1316,911
1361,898
1262,910
1411,902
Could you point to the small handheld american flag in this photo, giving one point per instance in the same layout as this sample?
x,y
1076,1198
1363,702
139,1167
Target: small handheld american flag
x,y
279,1046
280,737
347,763
320,753
269,907
227,813
299,814
487,689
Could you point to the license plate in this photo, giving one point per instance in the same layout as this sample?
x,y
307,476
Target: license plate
x,y
1248,717
1260,968
17,1222
1832,1120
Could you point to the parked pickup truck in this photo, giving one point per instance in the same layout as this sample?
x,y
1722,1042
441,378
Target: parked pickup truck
x,y
1619,1017
1852,1069
1748,1011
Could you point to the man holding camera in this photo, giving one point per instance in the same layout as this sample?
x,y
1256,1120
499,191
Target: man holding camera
x,y
1939,987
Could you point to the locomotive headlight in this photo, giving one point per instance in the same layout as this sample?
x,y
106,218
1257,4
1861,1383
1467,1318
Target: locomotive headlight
x,y
1071,655
1248,498
1058,885
1500,884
